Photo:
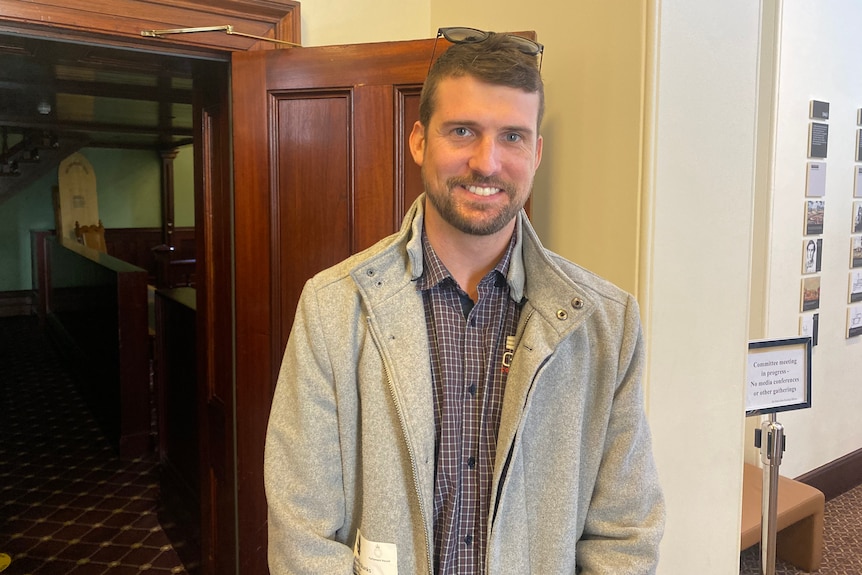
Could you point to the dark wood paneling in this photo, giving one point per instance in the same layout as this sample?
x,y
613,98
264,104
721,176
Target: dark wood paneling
x,y
120,22
215,327
175,379
409,179
313,229
40,271
253,209
837,476
135,246
320,172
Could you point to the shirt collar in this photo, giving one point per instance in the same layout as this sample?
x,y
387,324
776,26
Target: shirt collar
x,y
432,271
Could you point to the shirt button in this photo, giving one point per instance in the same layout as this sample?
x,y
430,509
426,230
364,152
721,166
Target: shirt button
x,y
471,462
472,389
468,540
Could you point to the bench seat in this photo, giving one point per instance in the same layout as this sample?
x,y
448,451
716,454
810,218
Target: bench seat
x,y
799,519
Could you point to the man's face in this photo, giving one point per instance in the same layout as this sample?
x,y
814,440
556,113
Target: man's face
x,y
479,154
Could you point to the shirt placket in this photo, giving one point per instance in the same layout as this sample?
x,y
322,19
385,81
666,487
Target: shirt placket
x,y
472,393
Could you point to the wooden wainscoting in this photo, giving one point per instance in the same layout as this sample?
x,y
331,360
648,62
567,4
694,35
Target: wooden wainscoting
x,y
136,246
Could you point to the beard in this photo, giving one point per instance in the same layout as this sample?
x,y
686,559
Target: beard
x,y
493,219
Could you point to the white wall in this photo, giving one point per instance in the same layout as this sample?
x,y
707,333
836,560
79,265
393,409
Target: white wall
x,y
698,226
818,58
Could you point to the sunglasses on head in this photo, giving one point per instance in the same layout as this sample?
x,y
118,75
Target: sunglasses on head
x,y
462,35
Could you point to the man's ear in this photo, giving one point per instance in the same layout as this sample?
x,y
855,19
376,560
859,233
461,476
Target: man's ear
x,y
417,143
539,143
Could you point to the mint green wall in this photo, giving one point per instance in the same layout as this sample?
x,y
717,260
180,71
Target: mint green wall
x,y
184,188
128,184
30,209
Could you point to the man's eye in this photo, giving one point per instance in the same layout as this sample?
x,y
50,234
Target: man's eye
x,y
513,137
461,132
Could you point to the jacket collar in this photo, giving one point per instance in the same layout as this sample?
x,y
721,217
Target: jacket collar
x,y
560,300
515,278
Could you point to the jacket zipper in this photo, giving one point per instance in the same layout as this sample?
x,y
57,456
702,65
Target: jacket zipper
x,y
410,453
508,460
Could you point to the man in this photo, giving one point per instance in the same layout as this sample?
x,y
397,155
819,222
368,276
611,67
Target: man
x,y
810,257
456,399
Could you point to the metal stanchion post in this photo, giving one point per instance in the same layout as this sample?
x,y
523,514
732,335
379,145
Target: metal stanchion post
x,y
771,451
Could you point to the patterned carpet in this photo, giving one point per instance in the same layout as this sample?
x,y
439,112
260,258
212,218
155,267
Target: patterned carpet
x,y
842,541
68,504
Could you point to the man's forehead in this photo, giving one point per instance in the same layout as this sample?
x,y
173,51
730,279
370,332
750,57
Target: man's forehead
x,y
460,95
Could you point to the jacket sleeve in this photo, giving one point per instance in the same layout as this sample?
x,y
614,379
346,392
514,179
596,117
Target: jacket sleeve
x,y
303,470
625,520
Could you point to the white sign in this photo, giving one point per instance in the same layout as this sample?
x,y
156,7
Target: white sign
x,y
778,376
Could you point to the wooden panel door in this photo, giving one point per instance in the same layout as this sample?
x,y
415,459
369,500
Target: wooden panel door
x,y
321,171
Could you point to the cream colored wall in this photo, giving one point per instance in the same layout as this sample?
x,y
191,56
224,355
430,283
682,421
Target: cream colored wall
x,y
585,199
326,22
699,190
817,59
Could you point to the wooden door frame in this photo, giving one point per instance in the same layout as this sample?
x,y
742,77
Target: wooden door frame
x,y
75,21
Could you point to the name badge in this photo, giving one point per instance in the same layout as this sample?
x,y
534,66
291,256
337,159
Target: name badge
x,y
373,558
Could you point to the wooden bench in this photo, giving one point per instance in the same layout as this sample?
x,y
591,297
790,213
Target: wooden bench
x,y
799,522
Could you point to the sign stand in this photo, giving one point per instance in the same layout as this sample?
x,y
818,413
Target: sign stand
x,y
770,454
779,379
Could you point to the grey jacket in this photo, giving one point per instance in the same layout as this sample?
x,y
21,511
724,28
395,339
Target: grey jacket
x,y
350,442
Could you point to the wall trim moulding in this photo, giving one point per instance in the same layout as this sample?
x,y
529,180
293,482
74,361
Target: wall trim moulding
x,y
123,21
836,477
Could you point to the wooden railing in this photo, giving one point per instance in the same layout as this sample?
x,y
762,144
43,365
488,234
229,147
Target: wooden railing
x,y
96,309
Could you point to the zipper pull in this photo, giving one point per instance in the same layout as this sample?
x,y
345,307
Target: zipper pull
x,y
509,353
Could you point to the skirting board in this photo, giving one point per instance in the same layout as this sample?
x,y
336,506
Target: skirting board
x,y
837,476
15,303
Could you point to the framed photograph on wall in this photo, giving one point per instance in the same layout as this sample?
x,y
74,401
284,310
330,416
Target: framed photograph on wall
x,y
811,255
814,217
854,321
809,326
815,181
855,287
856,252
857,218
810,293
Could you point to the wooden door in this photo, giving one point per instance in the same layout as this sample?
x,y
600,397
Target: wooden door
x,y
321,171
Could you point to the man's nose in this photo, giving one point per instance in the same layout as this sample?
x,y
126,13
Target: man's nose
x,y
485,159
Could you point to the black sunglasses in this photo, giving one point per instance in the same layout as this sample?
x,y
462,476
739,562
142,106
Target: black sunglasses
x,y
461,35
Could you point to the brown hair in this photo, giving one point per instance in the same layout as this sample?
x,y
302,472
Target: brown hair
x,y
495,60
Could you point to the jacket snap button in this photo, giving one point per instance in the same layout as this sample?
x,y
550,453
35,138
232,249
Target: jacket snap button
x,y
562,314
370,273
578,303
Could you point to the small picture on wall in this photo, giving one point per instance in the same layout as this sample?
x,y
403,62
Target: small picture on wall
x,y
811,255
809,325
814,217
856,252
810,293
857,182
855,288
815,183
854,321
857,217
